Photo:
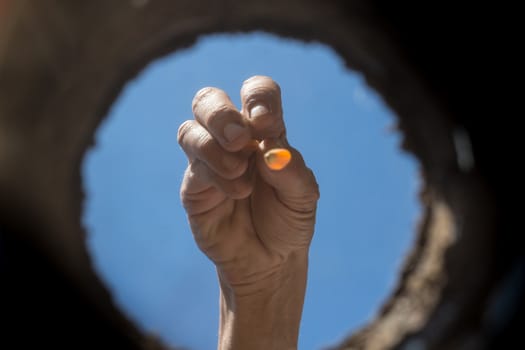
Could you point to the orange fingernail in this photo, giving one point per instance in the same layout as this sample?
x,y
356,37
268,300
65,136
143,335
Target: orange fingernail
x,y
277,158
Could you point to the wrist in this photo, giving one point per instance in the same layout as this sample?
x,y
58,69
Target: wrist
x,y
265,314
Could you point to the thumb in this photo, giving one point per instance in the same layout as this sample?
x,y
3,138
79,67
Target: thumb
x,y
295,184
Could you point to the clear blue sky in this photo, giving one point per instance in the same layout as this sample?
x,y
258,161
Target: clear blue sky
x,y
138,233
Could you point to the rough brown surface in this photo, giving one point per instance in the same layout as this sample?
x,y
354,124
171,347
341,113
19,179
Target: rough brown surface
x,y
62,63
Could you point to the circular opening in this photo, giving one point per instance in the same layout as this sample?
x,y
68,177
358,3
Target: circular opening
x,y
139,237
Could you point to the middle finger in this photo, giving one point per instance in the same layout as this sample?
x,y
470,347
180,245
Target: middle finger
x,y
198,143
214,110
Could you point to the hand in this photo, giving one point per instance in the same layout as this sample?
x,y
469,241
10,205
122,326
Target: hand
x,y
254,223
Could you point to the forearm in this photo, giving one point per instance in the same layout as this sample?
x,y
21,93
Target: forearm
x,y
269,316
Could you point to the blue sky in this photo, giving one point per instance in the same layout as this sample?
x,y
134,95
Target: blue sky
x,y
138,233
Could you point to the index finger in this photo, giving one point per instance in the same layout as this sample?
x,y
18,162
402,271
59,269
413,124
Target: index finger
x,y
262,107
214,110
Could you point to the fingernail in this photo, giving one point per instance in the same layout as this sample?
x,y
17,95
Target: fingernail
x,y
258,110
277,158
233,131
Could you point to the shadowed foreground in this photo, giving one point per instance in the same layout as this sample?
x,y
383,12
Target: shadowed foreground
x,y
62,64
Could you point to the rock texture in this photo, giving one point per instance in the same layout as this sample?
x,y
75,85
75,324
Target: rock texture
x,y
62,64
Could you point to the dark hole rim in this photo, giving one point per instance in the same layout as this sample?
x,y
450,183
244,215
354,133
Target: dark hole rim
x,y
356,34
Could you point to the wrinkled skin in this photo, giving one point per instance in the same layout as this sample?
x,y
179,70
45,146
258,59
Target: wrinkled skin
x,y
254,223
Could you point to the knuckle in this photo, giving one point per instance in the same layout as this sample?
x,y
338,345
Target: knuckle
x,y
260,79
260,86
184,128
312,193
206,144
184,197
221,113
261,93
252,79
200,95
316,192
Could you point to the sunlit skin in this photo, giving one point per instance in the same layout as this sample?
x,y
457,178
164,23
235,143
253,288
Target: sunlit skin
x,y
253,216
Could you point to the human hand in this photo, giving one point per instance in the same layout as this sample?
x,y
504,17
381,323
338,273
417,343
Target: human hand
x,y
245,217
254,223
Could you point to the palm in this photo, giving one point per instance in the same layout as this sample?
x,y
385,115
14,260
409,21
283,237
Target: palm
x,y
260,224
246,217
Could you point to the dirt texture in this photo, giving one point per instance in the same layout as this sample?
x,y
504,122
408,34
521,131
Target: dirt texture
x,y
63,63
